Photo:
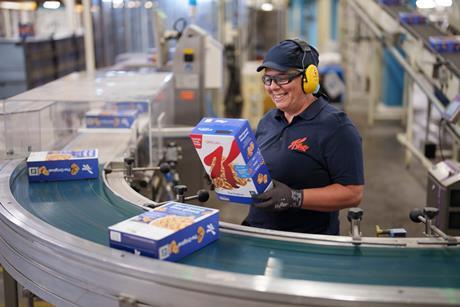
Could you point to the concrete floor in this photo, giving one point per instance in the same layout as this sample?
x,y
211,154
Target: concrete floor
x,y
391,190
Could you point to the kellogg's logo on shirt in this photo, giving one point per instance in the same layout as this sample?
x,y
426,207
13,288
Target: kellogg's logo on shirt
x,y
299,145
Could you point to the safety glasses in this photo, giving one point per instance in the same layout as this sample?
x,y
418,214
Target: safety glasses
x,y
280,79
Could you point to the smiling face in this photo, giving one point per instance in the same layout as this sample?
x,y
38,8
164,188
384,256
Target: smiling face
x,y
289,97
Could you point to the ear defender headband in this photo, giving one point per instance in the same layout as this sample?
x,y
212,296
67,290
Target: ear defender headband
x,y
310,76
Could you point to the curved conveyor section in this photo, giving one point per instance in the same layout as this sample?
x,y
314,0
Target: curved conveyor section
x,y
54,241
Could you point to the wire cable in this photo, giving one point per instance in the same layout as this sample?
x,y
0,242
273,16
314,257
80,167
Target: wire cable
x,y
183,22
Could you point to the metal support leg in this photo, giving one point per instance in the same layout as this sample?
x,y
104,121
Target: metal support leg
x,y
455,149
355,216
428,121
409,87
29,296
375,82
10,288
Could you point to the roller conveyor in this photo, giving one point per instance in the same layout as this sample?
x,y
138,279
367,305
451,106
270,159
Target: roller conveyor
x,y
423,32
85,209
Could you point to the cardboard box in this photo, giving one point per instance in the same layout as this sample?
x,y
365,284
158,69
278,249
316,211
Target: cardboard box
x,y
110,118
445,43
390,2
62,165
231,157
169,232
140,106
412,18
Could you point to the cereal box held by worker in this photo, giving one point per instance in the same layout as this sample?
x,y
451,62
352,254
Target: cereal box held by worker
x,y
231,157
110,118
62,165
169,232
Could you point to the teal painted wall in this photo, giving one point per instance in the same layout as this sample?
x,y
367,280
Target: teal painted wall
x,y
302,20
392,83
334,18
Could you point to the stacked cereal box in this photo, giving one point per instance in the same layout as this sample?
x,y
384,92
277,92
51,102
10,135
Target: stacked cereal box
x,y
140,106
111,118
62,165
169,232
412,18
390,2
446,44
231,157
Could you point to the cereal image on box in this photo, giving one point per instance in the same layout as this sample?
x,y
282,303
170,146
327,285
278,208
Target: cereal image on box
x,y
42,170
251,149
173,222
53,156
74,169
231,157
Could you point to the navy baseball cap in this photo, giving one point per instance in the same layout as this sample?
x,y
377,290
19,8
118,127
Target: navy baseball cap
x,y
288,54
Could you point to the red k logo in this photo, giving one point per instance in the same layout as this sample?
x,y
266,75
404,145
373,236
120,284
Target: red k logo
x,y
299,145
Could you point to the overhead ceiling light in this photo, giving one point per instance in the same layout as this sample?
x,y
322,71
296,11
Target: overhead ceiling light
x,y
425,4
131,4
26,5
118,4
266,6
52,5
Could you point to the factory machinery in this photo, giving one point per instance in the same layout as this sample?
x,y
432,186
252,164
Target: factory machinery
x,y
430,59
54,235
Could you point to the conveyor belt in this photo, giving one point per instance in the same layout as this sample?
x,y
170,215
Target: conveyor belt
x,y
423,32
86,208
83,208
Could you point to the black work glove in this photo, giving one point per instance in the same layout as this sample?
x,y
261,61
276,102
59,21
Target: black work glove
x,y
280,198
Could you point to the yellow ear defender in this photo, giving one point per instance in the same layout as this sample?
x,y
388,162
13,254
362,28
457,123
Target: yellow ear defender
x,y
310,77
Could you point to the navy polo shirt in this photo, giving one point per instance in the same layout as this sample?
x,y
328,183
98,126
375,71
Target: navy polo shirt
x,y
321,146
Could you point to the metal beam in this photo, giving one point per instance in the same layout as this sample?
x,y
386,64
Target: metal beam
x,y
89,39
10,290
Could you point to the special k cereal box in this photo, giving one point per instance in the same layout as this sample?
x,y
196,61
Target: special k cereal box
x,y
169,232
231,157
62,165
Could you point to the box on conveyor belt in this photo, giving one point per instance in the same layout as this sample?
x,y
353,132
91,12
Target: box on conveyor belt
x,y
412,18
106,118
390,2
169,232
140,106
449,43
62,165
231,157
